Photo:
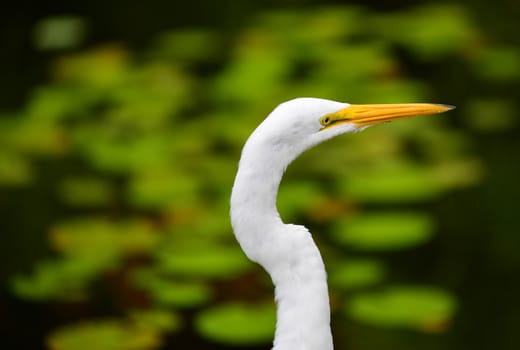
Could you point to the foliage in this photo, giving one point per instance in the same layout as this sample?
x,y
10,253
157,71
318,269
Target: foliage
x,y
147,145
237,323
389,230
141,331
423,308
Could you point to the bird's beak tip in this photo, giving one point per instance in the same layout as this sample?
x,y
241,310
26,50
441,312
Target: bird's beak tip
x,y
446,106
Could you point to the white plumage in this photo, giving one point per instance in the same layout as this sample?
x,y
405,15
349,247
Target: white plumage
x,y
287,252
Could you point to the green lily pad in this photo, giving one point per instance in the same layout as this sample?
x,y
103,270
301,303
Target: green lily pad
x,y
104,335
392,184
420,308
98,237
211,261
120,155
384,231
168,292
38,136
91,247
64,279
181,294
201,224
101,68
356,273
238,324
159,189
297,197
158,320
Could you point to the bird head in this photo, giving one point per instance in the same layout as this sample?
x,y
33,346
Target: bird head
x,y
299,124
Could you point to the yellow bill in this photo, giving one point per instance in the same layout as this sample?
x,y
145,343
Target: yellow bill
x,y
371,114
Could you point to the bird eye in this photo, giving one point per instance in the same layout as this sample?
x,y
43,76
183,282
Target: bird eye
x,y
325,120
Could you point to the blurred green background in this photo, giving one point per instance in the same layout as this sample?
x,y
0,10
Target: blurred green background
x,y
121,125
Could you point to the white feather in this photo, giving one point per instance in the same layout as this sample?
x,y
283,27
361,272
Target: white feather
x,y
287,252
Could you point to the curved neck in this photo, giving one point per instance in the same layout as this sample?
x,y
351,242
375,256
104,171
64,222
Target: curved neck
x,y
287,253
253,199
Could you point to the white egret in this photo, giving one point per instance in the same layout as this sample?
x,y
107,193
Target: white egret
x,y
287,252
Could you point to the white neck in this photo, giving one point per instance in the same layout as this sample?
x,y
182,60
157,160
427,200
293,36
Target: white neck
x,y
287,253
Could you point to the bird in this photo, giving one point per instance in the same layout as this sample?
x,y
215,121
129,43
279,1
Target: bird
x,y
287,251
